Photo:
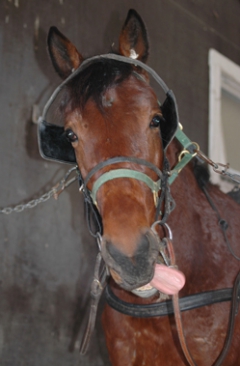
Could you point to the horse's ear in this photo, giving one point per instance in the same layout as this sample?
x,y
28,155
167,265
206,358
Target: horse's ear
x,y
64,55
133,40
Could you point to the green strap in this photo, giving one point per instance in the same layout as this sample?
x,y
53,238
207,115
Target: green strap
x,y
185,142
182,138
124,173
175,171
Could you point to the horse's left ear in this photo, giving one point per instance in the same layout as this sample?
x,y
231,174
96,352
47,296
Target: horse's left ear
x,y
64,55
133,40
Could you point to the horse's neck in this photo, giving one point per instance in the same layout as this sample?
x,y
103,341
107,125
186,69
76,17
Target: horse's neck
x,y
185,189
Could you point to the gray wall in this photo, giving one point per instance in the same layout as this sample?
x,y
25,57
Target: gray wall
x,y
46,254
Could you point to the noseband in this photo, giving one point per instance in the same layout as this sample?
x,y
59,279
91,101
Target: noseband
x,y
155,186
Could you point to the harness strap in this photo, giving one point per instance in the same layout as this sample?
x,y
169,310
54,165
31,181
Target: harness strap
x,y
122,159
155,186
228,339
126,173
177,169
98,284
90,208
92,60
164,308
189,151
232,317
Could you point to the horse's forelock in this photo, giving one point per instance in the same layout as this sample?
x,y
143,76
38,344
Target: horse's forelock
x,y
95,80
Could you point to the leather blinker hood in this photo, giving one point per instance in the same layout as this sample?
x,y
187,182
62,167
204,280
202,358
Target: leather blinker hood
x,y
52,142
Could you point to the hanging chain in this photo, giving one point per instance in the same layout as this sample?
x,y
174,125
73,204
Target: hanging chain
x,y
54,192
219,168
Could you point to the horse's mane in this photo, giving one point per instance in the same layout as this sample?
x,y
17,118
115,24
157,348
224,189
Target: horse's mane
x,y
202,176
94,81
201,173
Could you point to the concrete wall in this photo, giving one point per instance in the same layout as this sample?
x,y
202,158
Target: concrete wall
x,y
46,254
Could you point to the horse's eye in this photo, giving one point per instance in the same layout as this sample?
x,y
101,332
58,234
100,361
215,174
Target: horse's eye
x,y
71,136
155,122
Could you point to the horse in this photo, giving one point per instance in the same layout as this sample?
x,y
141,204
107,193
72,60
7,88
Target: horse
x,y
115,124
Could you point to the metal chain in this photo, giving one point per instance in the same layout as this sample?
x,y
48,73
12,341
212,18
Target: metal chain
x,y
54,192
219,168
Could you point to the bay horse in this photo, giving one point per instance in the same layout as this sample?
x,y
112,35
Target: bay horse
x,y
112,114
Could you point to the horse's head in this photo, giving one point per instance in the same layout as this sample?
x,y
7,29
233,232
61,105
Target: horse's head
x,y
110,110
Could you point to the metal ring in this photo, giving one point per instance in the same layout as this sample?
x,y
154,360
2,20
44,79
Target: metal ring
x,y
166,226
197,148
182,153
185,151
170,235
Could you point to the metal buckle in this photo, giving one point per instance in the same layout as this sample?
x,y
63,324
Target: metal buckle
x,y
185,151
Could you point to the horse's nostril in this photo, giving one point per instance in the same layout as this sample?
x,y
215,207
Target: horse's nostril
x,y
134,268
140,250
143,246
112,250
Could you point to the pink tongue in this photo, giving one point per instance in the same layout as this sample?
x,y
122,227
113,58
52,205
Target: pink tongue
x,y
167,280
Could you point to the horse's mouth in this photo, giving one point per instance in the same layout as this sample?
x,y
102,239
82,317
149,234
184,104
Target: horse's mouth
x,y
145,291
144,273
167,280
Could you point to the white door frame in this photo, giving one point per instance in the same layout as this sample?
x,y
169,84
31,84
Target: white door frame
x,y
223,74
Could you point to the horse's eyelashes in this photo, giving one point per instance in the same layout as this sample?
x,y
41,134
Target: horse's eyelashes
x,y
155,122
71,136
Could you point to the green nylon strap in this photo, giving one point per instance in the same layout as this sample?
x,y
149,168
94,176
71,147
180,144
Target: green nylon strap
x,y
185,142
175,171
182,138
124,173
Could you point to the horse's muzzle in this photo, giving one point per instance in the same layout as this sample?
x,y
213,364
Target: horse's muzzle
x,y
131,272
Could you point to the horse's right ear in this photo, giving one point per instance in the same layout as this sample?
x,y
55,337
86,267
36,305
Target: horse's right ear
x,y
133,40
64,55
